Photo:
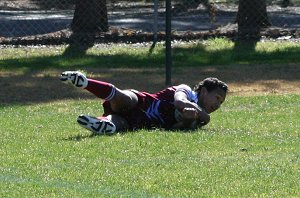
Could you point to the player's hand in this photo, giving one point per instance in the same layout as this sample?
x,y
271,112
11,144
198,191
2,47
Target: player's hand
x,y
189,117
190,113
193,117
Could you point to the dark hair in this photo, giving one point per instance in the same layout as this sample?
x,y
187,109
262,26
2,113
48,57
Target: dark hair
x,y
211,84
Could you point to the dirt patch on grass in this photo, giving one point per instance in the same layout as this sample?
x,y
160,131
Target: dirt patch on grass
x,y
29,87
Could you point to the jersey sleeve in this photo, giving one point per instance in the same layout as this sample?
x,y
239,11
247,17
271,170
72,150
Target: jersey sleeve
x,y
187,90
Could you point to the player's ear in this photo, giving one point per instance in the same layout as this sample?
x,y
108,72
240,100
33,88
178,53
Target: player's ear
x,y
203,91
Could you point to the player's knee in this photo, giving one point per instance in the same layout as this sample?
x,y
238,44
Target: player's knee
x,y
133,99
120,122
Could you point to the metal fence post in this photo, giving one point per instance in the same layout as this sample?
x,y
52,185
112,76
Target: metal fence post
x,y
155,25
168,43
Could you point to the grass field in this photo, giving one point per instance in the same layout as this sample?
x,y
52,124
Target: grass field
x,y
250,149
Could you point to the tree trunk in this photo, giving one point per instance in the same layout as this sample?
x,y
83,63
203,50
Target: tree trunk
x,y
251,17
285,3
90,16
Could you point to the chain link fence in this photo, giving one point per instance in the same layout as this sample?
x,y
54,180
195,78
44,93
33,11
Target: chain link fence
x,y
144,20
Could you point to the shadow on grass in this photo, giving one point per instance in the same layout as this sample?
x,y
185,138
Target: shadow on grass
x,y
75,60
81,137
78,138
36,80
239,54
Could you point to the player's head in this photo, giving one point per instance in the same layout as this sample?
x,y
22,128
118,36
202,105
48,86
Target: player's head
x,y
211,93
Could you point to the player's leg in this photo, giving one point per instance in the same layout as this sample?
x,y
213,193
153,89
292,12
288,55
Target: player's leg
x,y
124,101
120,100
107,125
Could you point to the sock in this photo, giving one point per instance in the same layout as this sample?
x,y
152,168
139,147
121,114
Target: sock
x,y
103,90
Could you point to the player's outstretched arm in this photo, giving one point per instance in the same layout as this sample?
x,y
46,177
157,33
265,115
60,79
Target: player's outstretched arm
x,y
192,114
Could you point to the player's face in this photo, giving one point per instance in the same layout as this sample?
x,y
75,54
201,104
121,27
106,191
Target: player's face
x,y
212,100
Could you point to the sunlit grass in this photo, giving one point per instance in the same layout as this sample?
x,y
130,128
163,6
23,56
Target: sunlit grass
x,y
218,51
250,149
225,52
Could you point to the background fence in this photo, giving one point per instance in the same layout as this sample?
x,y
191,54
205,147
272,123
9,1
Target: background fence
x,y
39,20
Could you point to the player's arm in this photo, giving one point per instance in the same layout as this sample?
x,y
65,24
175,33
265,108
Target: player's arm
x,y
192,114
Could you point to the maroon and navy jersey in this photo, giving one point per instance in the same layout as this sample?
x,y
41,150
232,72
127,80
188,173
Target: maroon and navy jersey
x,y
155,110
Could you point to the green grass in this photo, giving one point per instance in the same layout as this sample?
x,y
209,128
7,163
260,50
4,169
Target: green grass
x,y
212,52
250,149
